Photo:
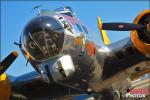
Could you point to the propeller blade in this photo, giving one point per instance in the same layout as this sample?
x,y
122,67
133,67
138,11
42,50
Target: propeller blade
x,y
122,26
104,35
7,62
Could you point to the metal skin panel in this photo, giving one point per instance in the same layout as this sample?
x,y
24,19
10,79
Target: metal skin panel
x,y
115,58
85,65
120,56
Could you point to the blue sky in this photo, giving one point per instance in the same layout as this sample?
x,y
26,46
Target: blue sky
x,y
15,15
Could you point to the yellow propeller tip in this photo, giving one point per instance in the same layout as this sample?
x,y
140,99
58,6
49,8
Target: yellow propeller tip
x,y
99,23
15,53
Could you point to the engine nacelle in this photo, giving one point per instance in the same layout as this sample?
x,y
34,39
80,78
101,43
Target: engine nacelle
x,y
141,38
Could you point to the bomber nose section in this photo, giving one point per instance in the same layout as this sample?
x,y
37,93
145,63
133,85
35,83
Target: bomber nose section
x,y
43,38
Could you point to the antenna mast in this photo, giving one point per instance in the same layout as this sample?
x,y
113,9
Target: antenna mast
x,y
37,7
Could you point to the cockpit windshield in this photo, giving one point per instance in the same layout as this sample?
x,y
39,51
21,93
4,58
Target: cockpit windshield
x,y
64,8
66,11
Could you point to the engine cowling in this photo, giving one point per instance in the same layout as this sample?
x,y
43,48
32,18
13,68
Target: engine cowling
x,y
141,38
5,88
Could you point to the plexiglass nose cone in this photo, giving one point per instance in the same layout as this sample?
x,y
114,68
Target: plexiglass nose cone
x,y
43,38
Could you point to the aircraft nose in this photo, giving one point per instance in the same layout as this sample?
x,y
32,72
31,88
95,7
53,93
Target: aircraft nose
x,y
43,37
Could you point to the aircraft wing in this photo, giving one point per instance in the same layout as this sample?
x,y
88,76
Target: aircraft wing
x,y
118,57
29,85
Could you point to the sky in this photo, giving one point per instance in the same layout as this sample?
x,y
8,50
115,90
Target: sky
x,y
16,14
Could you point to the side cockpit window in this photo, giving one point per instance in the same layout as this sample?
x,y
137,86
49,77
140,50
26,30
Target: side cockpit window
x,y
68,14
78,28
85,29
66,24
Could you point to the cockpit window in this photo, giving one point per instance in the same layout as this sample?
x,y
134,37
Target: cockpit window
x,y
69,8
85,29
68,14
64,9
78,28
